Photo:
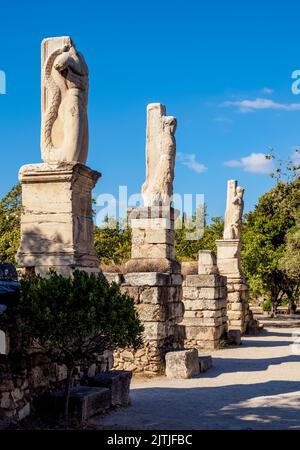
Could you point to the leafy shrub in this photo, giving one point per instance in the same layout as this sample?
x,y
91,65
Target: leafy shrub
x,y
71,319
267,306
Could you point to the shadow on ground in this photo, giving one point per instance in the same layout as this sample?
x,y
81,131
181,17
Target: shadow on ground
x,y
225,407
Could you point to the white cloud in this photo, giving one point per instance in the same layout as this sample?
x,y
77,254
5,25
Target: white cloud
x,y
254,163
189,160
267,90
246,106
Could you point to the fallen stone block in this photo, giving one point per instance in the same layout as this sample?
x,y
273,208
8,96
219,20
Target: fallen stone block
x,y
118,381
234,337
85,401
182,364
205,363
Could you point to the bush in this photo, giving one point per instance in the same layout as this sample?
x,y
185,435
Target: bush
x,y
267,306
72,319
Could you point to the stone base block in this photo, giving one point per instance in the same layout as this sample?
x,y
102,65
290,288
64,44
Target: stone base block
x,y
118,381
234,337
205,363
57,220
182,364
85,401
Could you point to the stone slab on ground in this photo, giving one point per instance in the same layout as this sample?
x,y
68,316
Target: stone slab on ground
x,y
234,337
118,381
182,364
205,363
85,401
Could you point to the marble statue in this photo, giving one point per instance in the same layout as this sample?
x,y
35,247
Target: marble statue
x,y
64,133
234,211
160,156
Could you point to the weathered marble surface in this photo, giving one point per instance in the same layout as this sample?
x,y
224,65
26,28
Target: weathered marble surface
x,y
64,132
234,211
56,220
160,156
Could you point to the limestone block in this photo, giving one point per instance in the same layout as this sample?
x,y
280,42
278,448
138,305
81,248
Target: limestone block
x,y
202,333
233,297
234,337
204,281
201,305
58,232
190,293
152,224
175,310
207,263
159,237
154,330
205,363
152,251
182,364
155,295
24,411
147,279
176,279
148,312
118,382
85,401
209,293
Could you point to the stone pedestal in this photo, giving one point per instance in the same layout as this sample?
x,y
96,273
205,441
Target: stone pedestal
x,y
158,301
56,221
153,240
228,257
205,319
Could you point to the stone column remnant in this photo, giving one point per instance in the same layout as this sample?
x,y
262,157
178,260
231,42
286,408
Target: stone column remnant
x,y
204,298
56,220
153,277
229,259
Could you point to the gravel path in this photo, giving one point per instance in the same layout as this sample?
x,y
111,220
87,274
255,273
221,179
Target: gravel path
x,y
254,386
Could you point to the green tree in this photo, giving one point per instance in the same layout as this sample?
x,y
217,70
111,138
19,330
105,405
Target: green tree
x,y
187,250
10,211
113,242
72,319
264,238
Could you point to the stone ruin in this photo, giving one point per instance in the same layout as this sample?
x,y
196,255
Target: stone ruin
x,y
56,220
229,260
57,232
153,277
204,299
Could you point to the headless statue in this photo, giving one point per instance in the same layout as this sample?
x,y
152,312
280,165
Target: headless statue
x,y
234,211
160,157
64,134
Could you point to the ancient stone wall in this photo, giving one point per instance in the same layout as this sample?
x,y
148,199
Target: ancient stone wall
x,y
204,298
158,301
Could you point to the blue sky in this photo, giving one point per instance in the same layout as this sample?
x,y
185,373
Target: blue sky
x,y
223,68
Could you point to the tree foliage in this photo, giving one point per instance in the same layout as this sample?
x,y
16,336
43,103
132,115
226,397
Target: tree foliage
x,y
71,319
265,232
10,211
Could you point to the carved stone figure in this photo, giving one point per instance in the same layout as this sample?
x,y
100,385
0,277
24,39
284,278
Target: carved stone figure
x,y
160,156
234,211
64,133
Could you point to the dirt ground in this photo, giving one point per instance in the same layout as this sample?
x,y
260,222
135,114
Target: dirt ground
x,y
253,386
